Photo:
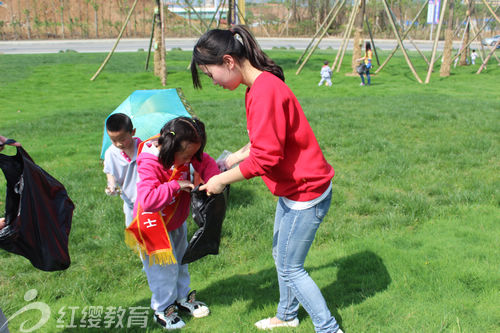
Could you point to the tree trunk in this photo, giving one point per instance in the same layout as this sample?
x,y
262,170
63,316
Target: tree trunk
x,y
157,40
448,43
45,19
465,54
87,29
293,9
312,9
62,17
358,36
36,19
96,25
28,23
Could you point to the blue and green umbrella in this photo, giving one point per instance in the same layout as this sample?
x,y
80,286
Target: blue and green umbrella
x,y
149,111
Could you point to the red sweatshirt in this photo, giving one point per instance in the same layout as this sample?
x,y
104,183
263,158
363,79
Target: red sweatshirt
x,y
284,150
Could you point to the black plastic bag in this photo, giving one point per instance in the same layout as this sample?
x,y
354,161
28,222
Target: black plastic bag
x,y
208,213
361,69
38,214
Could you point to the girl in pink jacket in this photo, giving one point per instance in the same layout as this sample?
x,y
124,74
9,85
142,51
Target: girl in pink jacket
x,y
159,228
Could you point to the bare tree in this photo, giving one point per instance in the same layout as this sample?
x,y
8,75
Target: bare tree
x,y
61,9
465,54
448,42
358,35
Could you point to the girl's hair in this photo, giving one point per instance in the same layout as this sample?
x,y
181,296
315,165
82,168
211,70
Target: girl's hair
x,y
237,42
119,122
368,46
177,131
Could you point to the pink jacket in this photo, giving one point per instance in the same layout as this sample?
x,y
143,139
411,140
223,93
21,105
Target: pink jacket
x,y
154,191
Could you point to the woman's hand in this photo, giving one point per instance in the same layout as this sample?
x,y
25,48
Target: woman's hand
x,y
213,186
238,156
231,160
2,222
185,185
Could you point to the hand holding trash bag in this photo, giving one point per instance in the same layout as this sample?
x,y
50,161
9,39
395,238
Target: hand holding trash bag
x,y
38,212
4,141
208,213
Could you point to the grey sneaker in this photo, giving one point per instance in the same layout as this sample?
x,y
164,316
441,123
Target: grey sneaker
x,y
169,319
192,306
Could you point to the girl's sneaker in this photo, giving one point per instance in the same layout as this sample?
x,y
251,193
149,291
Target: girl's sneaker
x,y
192,306
169,318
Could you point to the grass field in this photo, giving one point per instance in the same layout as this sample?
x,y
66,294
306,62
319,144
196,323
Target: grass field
x,y
411,243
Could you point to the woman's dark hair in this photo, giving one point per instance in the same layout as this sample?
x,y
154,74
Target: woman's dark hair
x,y
237,42
368,46
174,133
119,122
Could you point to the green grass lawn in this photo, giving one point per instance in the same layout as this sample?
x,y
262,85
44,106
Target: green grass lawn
x,y
411,243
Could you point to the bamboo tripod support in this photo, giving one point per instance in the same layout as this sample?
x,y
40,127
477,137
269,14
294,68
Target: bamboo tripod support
x,y
371,39
470,41
436,40
492,11
345,38
483,65
327,18
482,54
116,42
411,40
418,50
462,48
339,6
150,42
396,33
404,36
188,3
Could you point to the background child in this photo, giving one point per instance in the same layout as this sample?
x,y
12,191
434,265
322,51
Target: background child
x,y
368,63
285,153
161,209
473,57
326,74
120,161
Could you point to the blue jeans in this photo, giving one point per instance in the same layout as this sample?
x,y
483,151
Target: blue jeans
x,y
367,77
294,232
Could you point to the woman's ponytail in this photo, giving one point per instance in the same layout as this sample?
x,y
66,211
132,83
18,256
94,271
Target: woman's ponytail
x,y
254,53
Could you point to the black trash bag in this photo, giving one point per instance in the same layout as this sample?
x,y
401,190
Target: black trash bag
x,y
361,69
208,213
38,214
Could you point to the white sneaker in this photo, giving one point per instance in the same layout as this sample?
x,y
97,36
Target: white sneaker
x,y
195,308
169,319
265,324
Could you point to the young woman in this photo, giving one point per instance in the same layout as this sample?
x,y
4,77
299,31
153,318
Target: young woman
x,y
368,63
285,153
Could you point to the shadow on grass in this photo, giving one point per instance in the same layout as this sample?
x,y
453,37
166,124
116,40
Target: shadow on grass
x,y
359,277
